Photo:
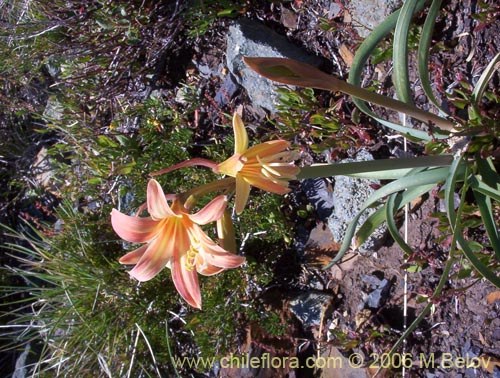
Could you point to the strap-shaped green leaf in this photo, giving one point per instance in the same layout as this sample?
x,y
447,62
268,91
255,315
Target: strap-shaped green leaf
x,y
485,77
383,169
361,57
390,211
426,177
486,169
400,76
379,216
486,211
485,189
424,47
453,177
476,263
489,176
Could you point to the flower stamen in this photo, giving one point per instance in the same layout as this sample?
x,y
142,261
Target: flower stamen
x,y
191,254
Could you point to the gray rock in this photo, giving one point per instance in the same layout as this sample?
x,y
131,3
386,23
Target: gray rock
x,y
367,14
310,307
54,110
350,194
227,91
380,290
253,39
21,364
53,67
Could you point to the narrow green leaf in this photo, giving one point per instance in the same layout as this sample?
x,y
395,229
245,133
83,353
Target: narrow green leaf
x,y
390,211
431,176
488,173
400,76
361,57
485,189
485,77
424,47
370,225
486,211
125,169
453,177
476,263
104,141
449,191
376,169
95,181
379,215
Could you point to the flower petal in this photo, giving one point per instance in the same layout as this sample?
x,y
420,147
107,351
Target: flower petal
x,y
231,166
225,232
242,193
212,254
160,251
267,148
157,203
224,259
186,281
134,256
286,171
240,135
211,212
215,255
208,270
133,229
205,268
264,183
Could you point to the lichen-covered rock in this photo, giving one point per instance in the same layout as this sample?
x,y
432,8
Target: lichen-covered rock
x,y
349,195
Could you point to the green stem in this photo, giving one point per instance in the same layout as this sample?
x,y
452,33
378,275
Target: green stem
x,y
193,194
390,103
346,169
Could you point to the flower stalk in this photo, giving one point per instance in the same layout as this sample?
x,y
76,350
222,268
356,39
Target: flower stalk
x,y
288,71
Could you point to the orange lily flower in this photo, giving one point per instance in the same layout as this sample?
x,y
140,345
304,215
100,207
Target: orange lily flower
x,y
267,166
174,239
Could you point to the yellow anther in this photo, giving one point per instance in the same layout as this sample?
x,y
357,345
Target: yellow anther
x,y
191,258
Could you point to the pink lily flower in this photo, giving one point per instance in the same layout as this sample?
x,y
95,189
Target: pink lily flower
x,y
174,239
268,166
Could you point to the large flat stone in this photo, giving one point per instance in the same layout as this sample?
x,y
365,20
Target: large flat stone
x,y
254,39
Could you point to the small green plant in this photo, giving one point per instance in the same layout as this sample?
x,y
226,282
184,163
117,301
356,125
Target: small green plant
x,y
75,284
487,14
203,14
75,306
300,112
